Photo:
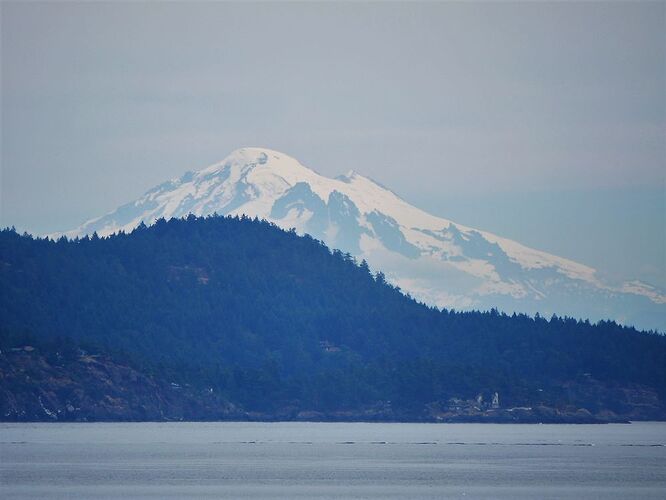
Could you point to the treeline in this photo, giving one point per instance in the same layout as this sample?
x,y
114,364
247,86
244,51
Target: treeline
x,y
268,318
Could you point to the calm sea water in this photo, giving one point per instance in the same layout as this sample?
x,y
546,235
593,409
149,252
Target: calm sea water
x,y
329,460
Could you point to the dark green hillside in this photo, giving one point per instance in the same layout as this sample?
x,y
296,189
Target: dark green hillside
x,y
278,325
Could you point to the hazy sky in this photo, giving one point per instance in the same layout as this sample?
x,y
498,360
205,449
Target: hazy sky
x,y
542,122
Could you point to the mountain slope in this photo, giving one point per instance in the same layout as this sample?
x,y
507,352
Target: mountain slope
x,y
278,326
434,259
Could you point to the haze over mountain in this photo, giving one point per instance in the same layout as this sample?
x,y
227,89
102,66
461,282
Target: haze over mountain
x,y
433,259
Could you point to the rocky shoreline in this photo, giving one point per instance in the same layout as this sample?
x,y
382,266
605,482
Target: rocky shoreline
x,y
35,387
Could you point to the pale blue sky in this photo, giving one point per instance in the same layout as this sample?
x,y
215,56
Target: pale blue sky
x,y
542,122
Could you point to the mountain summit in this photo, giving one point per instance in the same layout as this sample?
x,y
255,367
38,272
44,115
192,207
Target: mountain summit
x,y
433,259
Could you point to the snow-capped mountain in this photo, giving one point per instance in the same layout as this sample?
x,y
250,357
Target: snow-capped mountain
x,y
434,259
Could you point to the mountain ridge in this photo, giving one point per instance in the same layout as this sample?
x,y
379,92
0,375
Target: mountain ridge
x,y
234,312
433,258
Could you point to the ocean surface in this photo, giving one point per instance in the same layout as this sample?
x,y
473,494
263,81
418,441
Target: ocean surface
x,y
331,460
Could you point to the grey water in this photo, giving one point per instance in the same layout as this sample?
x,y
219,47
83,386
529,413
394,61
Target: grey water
x,y
331,460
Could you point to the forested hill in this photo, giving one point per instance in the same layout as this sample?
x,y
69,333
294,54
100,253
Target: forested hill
x,y
278,326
